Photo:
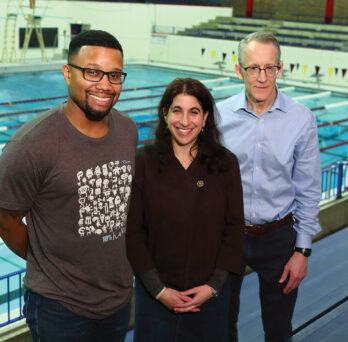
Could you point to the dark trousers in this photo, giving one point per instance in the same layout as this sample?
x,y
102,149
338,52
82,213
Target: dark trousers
x,y
155,323
267,254
50,321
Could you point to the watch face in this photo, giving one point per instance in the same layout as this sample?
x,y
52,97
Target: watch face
x,y
307,252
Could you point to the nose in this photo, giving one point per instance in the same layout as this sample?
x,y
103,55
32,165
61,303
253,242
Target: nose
x,y
104,83
184,119
262,75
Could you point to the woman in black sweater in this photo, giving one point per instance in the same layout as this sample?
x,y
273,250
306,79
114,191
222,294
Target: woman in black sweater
x,y
185,222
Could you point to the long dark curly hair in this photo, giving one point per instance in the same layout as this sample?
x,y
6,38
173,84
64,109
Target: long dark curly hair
x,y
210,151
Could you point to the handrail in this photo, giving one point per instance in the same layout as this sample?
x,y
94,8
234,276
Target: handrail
x,y
13,293
334,180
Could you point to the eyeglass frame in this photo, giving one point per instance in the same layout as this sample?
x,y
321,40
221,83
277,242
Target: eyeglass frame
x,y
83,70
262,69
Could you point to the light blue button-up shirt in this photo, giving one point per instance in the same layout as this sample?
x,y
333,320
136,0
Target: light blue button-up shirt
x,y
278,154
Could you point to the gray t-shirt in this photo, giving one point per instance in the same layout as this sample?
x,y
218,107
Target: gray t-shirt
x,y
76,190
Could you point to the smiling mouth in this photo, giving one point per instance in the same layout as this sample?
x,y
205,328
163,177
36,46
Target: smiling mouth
x,y
101,99
184,131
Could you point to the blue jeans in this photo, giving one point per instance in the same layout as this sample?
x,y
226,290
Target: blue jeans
x,y
267,255
155,323
50,321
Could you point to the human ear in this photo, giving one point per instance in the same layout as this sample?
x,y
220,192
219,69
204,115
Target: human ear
x,y
66,73
281,64
165,115
205,115
239,72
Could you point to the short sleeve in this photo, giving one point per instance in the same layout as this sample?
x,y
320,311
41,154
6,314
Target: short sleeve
x,y
19,176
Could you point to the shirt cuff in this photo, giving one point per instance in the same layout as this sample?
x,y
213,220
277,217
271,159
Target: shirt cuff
x,y
218,279
151,281
303,240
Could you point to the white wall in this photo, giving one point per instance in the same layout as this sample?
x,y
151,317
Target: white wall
x,y
189,51
131,23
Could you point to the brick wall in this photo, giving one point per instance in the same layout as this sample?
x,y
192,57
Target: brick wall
x,y
296,10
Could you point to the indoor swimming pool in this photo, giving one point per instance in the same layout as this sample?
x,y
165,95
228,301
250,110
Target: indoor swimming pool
x,y
23,96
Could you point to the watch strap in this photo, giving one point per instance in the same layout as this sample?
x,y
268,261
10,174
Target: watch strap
x,y
214,292
305,251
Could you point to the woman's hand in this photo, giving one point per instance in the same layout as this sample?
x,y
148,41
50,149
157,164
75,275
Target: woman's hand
x,y
198,296
170,297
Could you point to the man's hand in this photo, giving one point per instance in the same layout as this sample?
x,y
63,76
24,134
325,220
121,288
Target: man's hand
x,y
198,296
13,231
296,269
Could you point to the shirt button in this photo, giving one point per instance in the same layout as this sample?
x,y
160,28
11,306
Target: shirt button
x,y
257,168
254,214
255,192
258,144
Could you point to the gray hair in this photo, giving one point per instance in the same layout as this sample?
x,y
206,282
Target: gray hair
x,y
260,37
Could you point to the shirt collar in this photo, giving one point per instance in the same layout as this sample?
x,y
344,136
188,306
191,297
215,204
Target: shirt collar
x,y
241,102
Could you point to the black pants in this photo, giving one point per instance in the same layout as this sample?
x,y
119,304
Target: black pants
x,y
267,254
155,323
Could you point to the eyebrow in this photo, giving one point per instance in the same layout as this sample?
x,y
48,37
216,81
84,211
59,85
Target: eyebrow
x,y
265,65
97,66
179,107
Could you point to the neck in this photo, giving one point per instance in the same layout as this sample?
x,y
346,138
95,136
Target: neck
x,y
260,107
184,154
93,129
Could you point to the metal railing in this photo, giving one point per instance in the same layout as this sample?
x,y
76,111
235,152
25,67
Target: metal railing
x,y
334,181
11,299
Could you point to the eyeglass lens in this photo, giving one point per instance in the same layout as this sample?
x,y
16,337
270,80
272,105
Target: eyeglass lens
x,y
255,71
95,75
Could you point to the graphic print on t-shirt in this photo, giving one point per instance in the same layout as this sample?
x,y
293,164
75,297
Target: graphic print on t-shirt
x,y
103,193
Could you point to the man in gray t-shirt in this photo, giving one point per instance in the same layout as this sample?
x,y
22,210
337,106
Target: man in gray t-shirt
x,y
69,172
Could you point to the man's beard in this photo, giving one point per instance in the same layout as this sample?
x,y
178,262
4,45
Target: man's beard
x,y
95,115
91,113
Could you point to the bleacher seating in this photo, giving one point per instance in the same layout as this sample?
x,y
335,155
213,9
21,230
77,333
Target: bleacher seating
x,y
324,36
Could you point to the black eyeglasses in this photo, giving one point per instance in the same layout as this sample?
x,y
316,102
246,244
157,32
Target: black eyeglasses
x,y
96,75
255,71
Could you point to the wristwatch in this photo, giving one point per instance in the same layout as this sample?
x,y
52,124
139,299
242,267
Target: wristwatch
x,y
305,251
214,292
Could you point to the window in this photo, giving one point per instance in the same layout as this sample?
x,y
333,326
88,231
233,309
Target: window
x,y
49,34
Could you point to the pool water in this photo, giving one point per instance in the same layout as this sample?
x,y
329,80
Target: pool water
x,y
141,104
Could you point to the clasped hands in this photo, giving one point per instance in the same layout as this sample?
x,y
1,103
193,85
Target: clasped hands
x,y
185,301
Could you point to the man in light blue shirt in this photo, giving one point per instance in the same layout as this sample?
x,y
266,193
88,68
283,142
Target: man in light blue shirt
x,y
276,142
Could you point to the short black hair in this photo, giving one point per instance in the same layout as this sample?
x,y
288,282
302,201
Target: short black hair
x,y
94,38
